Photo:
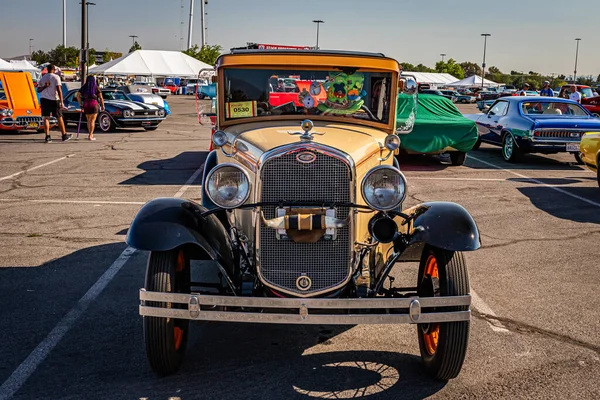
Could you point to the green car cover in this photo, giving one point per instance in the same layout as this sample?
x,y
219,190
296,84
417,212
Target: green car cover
x,y
438,125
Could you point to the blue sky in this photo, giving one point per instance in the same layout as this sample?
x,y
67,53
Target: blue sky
x,y
526,34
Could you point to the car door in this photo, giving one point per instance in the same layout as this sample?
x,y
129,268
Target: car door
x,y
71,112
494,122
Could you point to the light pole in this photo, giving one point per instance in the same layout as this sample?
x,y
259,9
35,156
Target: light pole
x,y
318,22
88,3
485,36
576,54
30,40
443,55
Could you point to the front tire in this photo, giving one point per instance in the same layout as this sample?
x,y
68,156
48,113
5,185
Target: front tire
x,y
105,122
578,158
443,346
458,157
510,151
166,338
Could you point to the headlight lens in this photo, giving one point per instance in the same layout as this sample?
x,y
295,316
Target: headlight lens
x,y
127,113
6,112
227,186
384,188
161,113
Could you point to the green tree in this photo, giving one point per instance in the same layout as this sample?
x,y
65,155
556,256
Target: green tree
x,y
423,68
110,55
64,56
136,46
207,54
407,67
470,68
450,67
40,57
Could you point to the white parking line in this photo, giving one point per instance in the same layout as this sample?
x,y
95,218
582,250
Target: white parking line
x,y
36,167
39,354
481,306
136,203
592,202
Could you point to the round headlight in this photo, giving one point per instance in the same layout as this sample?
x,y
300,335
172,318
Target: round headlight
x,y
392,142
384,188
127,113
161,113
219,138
227,186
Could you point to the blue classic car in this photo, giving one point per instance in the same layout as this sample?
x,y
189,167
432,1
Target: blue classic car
x,y
121,111
545,125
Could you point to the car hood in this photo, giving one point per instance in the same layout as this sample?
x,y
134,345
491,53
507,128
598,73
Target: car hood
x,y
131,105
359,142
542,122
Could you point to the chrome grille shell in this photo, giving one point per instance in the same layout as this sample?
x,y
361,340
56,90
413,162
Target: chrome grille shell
x,y
330,178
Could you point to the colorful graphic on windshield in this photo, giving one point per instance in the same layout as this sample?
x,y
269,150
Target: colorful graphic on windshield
x,y
358,94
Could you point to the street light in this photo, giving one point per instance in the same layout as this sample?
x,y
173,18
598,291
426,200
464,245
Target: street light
x,y
576,54
318,22
30,40
485,36
443,55
133,37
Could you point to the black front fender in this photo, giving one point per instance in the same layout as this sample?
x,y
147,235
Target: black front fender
x,y
442,224
167,223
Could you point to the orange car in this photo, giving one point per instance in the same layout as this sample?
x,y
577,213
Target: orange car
x,y
19,106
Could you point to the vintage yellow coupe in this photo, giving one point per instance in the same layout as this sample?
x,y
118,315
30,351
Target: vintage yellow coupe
x,y
590,152
302,214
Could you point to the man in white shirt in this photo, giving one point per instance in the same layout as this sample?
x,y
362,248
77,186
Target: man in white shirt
x,y
51,100
574,95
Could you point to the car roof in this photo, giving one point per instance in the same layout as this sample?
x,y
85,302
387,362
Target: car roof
x,y
516,99
301,59
295,52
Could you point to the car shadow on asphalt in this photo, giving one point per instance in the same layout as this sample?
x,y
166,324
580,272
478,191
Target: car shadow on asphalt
x,y
271,362
171,171
529,162
563,206
422,162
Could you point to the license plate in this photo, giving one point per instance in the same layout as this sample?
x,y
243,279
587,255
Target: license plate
x,y
572,147
33,125
146,123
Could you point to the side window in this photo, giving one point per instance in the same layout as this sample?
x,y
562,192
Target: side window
x,y
2,94
499,108
70,98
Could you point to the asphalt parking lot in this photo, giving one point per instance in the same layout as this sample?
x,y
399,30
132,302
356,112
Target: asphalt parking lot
x,y
69,285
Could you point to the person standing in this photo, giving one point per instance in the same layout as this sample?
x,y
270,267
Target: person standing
x,y
91,101
546,90
574,95
523,92
51,99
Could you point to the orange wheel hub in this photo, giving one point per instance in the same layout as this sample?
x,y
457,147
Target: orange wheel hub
x,y
432,332
178,337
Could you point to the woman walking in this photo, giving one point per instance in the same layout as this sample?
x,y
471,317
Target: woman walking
x,y
88,96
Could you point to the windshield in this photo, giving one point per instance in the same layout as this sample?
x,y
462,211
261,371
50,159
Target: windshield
x,y
586,92
114,96
552,108
269,92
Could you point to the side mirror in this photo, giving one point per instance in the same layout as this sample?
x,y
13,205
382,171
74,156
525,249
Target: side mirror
x,y
407,85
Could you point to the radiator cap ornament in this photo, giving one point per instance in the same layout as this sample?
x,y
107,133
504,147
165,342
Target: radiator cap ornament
x,y
306,136
303,282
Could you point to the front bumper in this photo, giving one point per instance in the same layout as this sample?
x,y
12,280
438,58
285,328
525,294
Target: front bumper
x,y
300,311
27,123
153,120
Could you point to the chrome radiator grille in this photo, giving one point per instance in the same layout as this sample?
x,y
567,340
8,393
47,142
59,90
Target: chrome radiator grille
x,y
327,262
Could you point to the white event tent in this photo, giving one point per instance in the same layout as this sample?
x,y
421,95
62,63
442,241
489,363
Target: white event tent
x,y
432,78
473,81
152,63
5,66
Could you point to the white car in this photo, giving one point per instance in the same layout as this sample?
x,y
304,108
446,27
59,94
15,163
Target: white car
x,y
150,87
